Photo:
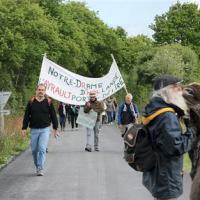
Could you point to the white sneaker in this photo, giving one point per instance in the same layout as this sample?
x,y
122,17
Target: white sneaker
x,y
40,173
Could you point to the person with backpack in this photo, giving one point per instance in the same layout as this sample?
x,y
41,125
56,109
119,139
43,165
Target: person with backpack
x,y
38,116
165,180
127,114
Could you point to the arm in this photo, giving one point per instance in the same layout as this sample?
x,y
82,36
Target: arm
x,y
26,119
119,116
171,140
53,117
136,110
87,107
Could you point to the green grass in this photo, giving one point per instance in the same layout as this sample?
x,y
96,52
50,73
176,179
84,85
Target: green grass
x,y
11,141
186,163
11,145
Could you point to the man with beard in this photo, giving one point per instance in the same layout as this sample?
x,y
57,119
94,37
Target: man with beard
x,y
98,107
38,116
165,180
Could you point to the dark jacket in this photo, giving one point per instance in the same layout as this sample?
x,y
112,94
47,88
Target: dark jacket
x,y
74,110
61,110
39,115
165,181
97,106
127,116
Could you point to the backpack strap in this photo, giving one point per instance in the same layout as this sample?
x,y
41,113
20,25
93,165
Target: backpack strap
x,y
147,120
49,100
32,99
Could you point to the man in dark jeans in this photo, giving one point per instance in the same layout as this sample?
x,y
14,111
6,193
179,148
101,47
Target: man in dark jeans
x,y
62,115
38,116
73,115
127,114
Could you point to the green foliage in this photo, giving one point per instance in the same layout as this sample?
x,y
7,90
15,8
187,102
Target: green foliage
x,y
74,37
181,24
11,145
170,59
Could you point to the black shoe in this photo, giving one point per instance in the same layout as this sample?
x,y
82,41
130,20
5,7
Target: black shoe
x,y
96,149
88,149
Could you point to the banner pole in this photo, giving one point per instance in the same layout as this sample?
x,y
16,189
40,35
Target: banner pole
x,y
44,55
117,65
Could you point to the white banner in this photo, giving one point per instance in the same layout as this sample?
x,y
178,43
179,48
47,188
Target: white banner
x,y
68,87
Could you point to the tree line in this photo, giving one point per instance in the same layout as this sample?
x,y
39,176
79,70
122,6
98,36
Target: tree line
x,y
76,38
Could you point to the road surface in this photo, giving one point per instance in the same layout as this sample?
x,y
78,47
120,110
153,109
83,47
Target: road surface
x,y
73,174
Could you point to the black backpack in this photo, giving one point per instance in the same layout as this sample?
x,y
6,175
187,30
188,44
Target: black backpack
x,y
140,151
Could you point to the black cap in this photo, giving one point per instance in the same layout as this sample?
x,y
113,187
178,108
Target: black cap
x,y
165,80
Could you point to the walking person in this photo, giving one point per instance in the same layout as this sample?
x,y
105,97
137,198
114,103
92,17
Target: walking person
x,y
74,109
68,110
115,107
62,115
98,107
110,109
127,114
165,181
38,116
103,116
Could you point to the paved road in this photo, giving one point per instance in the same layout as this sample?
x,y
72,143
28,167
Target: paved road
x,y
73,174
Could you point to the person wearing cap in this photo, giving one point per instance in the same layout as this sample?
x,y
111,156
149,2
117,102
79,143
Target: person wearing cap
x,y
97,106
165,181
127,114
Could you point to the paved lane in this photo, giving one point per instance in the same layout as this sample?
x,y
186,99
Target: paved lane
x,y
73,174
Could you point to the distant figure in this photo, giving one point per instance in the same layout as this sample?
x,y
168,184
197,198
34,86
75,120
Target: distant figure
x,y
68,115
115,104
103,117
127,114
62,115
110,109
74,109
38,116
98,107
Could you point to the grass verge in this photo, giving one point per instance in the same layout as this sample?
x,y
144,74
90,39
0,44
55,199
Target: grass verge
x,y
11,141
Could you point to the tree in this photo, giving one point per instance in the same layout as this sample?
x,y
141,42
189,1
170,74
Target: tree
x,y
181,24
170,59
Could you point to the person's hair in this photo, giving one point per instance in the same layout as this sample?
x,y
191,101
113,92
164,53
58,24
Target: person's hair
x,y
163,93
129,95
41,84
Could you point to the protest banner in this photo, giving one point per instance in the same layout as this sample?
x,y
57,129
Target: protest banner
x,y
68,87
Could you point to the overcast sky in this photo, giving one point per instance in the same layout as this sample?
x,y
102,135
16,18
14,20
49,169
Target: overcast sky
x,y
134,16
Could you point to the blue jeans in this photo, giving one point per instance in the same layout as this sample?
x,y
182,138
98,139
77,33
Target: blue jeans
x,y
110,117
39,142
